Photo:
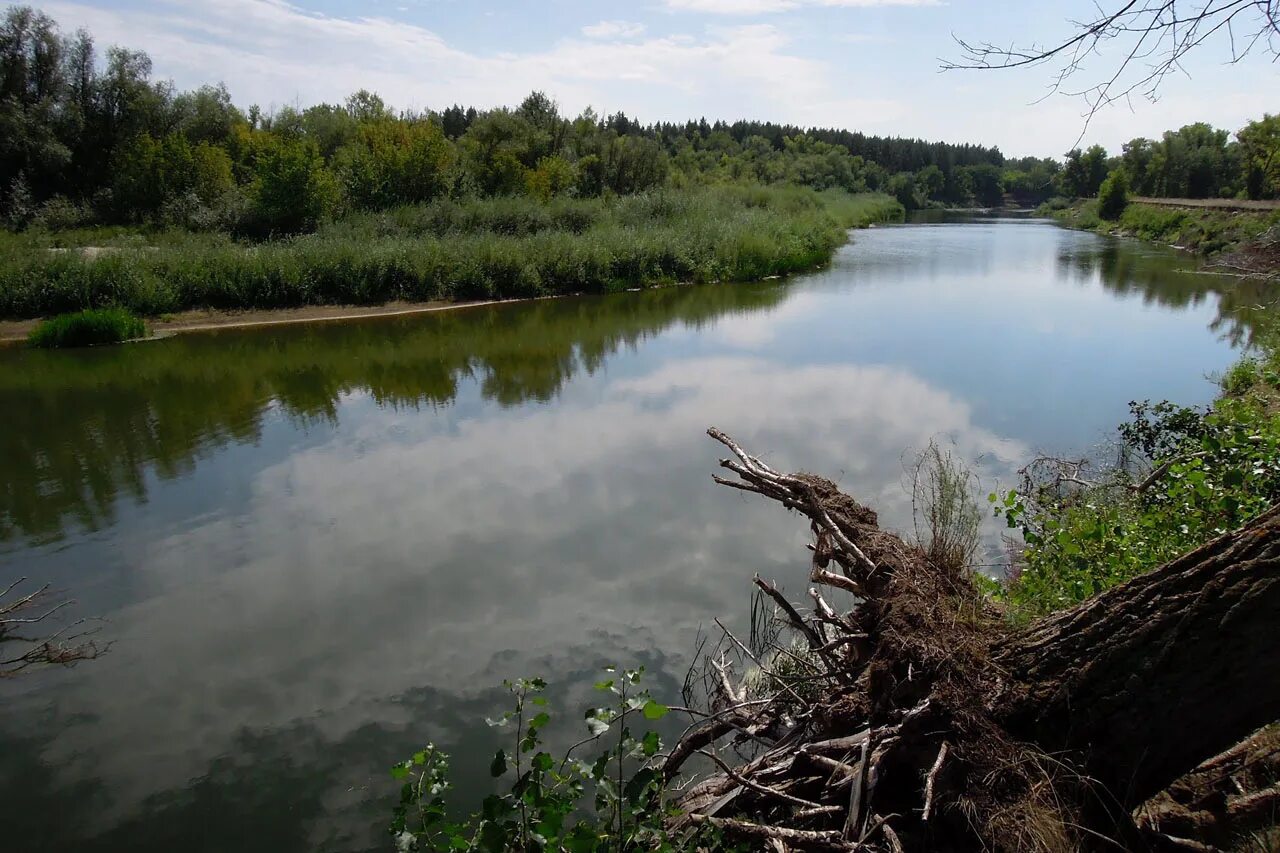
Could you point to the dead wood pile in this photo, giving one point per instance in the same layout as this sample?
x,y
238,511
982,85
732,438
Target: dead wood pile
x,y
920,719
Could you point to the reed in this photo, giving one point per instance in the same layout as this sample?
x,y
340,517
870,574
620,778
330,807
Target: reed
x,y
480,249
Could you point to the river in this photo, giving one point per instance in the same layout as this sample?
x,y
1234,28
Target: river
x,y
317,547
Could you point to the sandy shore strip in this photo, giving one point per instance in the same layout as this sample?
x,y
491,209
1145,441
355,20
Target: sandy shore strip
x,y
14,331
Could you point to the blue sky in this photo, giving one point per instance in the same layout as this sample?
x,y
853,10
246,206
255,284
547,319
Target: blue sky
x,y
869,65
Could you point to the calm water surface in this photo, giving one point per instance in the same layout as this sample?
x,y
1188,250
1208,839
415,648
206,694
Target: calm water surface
x,y
319,547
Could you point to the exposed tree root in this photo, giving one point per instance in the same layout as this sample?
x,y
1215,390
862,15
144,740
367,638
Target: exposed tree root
x,y
916,719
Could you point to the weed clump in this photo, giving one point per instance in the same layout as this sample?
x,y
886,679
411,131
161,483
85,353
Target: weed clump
x,y
87,328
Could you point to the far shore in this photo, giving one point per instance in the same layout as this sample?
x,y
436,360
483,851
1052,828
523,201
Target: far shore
x,y
207,320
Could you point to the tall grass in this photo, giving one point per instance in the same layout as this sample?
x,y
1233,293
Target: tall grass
x,y
943,507
482,249
1200,230
87,328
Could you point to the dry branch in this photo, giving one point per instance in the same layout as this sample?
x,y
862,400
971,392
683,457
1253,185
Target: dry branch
x,y
1152,39
920,720
22,650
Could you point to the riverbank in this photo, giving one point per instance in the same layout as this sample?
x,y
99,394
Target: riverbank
x,y
1243,241
207,320
445,252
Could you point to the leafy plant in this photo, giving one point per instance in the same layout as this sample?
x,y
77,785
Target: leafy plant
x,y
946,515
87,328
611,803
1113,196
1186,477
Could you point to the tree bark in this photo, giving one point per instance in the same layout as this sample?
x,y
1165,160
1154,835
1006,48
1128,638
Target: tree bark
x,y
955,731
1156,675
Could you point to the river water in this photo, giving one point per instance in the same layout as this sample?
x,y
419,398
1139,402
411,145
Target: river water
x,y
318,547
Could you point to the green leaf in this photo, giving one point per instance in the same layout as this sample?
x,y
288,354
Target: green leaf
x,y
1233,477
652,743
539,700
604,685
581,839
499,764
654,710
540,720
399,771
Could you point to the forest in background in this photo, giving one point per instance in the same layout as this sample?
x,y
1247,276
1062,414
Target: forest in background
x,y
89,137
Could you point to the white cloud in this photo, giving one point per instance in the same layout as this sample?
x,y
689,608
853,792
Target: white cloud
x,y
271,52
581,545
761,7
614,30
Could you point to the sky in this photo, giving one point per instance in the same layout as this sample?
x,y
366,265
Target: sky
x,y
868,65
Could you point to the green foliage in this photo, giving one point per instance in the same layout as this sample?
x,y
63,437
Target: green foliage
x,y
1113,196
481,249
293,191
1260,155
124,148
392,163
1195,161
1188,476
553,176
1083,172
87,328
1201,230
611,801
946,515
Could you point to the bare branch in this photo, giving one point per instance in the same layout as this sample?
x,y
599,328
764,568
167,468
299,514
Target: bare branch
x,y
1153,37
21,651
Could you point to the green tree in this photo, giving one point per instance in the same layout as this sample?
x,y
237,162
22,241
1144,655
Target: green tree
x,y
1260,153
931,181
553,176
1137,160
986,180
1095,169
212,177
496,149
1113,196
292,191
1083,172
902,186
206,115
395,162
150,172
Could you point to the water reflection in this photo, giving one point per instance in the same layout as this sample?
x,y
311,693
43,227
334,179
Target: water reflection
x,y
82,429
319,547
1171,280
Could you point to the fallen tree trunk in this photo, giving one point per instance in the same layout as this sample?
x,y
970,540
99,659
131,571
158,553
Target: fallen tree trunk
x,y
920,720
1152,677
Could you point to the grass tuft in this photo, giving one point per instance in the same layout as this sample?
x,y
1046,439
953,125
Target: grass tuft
x,y
87,328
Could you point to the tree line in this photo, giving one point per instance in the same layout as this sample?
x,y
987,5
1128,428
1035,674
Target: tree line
x,y
1195,161
88,138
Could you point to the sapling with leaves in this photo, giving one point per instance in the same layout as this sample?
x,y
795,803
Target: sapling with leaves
x,y
624,812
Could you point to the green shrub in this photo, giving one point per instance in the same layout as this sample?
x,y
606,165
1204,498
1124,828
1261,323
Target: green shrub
x,y
87,328
608,798
1189,475
1113,196
472,249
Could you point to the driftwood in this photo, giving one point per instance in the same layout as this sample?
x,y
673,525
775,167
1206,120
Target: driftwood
x,y
24,645
919,719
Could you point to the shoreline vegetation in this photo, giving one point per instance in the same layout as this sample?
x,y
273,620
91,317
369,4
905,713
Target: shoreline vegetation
x,y
1234,241
476,250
